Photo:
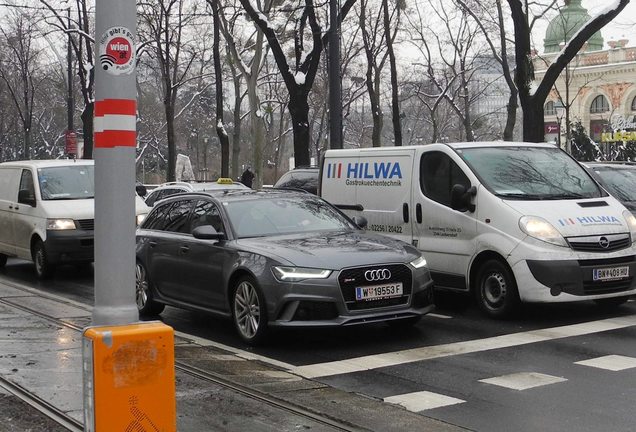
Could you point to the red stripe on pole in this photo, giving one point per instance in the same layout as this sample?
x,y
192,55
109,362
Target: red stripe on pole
x,y
114,138
115,106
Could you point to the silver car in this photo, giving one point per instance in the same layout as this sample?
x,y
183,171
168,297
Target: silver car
x,y
275,259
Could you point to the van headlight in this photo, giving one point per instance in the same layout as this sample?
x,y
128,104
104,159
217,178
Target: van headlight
x,y
295,274
60,224
631,224
541,229
419,262
140,218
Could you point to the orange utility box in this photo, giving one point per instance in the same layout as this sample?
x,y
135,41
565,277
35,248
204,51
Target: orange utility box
x,y
129,378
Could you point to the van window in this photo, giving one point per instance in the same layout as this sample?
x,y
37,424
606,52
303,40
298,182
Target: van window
x,y
26,182
67,182
530,173
438,175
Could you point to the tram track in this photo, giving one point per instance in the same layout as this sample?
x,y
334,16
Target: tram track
x,y
207,376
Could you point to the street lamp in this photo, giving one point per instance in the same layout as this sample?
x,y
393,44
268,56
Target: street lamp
x,y
560,112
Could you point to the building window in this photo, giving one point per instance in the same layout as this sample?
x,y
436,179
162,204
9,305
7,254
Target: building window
x,y
634,104
599,105
550,108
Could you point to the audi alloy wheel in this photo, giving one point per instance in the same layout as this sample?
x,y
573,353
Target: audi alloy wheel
x,y
249,311
143,293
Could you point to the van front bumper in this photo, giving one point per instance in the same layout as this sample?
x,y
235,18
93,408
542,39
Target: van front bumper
x,y
572,280
69,246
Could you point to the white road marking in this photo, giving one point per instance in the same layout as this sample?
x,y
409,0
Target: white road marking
x,y
395,358
523,380
422,400
610,362
434,315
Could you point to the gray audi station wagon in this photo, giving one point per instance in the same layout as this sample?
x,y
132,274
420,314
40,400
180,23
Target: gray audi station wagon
x,y
275,259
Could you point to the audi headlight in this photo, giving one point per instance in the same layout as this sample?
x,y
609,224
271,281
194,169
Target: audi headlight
x,y
419,262
631,223
541,229
140,218
295,274
60,224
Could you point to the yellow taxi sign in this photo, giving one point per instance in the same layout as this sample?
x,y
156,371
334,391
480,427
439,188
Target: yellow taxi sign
x,y
225,180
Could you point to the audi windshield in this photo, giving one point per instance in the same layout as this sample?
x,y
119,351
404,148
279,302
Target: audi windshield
x,y
281,215
530,173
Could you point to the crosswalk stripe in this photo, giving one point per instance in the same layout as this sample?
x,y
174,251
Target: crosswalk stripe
x,y
422,400
370,362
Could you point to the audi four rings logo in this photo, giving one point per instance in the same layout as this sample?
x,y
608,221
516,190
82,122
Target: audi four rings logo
x,y
377,275
603,242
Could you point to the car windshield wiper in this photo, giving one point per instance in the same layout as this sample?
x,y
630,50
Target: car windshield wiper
x,y
522,196
564,195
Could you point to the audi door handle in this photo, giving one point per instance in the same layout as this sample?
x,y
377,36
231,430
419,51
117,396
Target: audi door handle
x,y
184,250
152,244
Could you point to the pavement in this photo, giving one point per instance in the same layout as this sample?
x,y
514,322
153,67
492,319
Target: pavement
x,y
45,358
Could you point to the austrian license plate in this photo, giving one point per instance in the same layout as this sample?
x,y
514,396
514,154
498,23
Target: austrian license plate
x,y
610,273
379,291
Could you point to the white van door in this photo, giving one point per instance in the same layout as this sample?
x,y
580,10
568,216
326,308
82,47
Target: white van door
x,y
9,181
445,236
384,191
26,216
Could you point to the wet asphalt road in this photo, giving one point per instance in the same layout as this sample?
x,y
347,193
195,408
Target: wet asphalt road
x,y
554,368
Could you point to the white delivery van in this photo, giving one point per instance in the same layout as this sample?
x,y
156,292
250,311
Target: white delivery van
x,y
508,222
47,212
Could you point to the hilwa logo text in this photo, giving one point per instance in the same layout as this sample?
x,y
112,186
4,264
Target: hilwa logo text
x,y
364,170
591,220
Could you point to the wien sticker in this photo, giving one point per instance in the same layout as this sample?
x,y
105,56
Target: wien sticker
x,y
117,51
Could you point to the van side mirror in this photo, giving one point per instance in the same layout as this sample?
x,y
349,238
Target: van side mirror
x,y
461,198
26,196
360,221
207,232
141,190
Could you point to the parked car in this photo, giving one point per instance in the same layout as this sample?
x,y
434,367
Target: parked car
x,y
275,259
171,188
47,212
304,178
618,178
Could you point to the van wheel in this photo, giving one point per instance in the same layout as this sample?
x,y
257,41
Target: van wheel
x,y
3,260
43,267
249,312
497,292
143,293
612,302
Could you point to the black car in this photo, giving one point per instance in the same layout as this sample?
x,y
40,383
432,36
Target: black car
x,y
275,258
305,178
618,178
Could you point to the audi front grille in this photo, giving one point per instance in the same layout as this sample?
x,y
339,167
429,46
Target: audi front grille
x,y
350,279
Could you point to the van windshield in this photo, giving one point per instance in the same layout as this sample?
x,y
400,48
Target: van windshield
x,y
530,173
67,182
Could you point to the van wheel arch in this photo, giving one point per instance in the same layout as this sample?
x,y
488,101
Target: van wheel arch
x,y
494,286
479,260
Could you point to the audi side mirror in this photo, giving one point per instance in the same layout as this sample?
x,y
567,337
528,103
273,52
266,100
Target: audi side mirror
x,y
360,221
207,232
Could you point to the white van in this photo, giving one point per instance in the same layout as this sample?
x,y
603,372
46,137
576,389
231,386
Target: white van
x,y
47,212
508,222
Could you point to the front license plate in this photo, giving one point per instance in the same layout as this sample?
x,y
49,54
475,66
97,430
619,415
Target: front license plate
x,y
379,291
611,273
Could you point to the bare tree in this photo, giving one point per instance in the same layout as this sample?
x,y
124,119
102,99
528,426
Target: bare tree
x,y
298,78
533,96
18,69
395,102
218,77
163,27
82,43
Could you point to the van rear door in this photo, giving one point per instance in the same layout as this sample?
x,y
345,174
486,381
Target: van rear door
x,y
384,187
9,181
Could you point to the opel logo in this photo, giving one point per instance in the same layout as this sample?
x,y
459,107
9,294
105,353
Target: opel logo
x,y
603,242
377,275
